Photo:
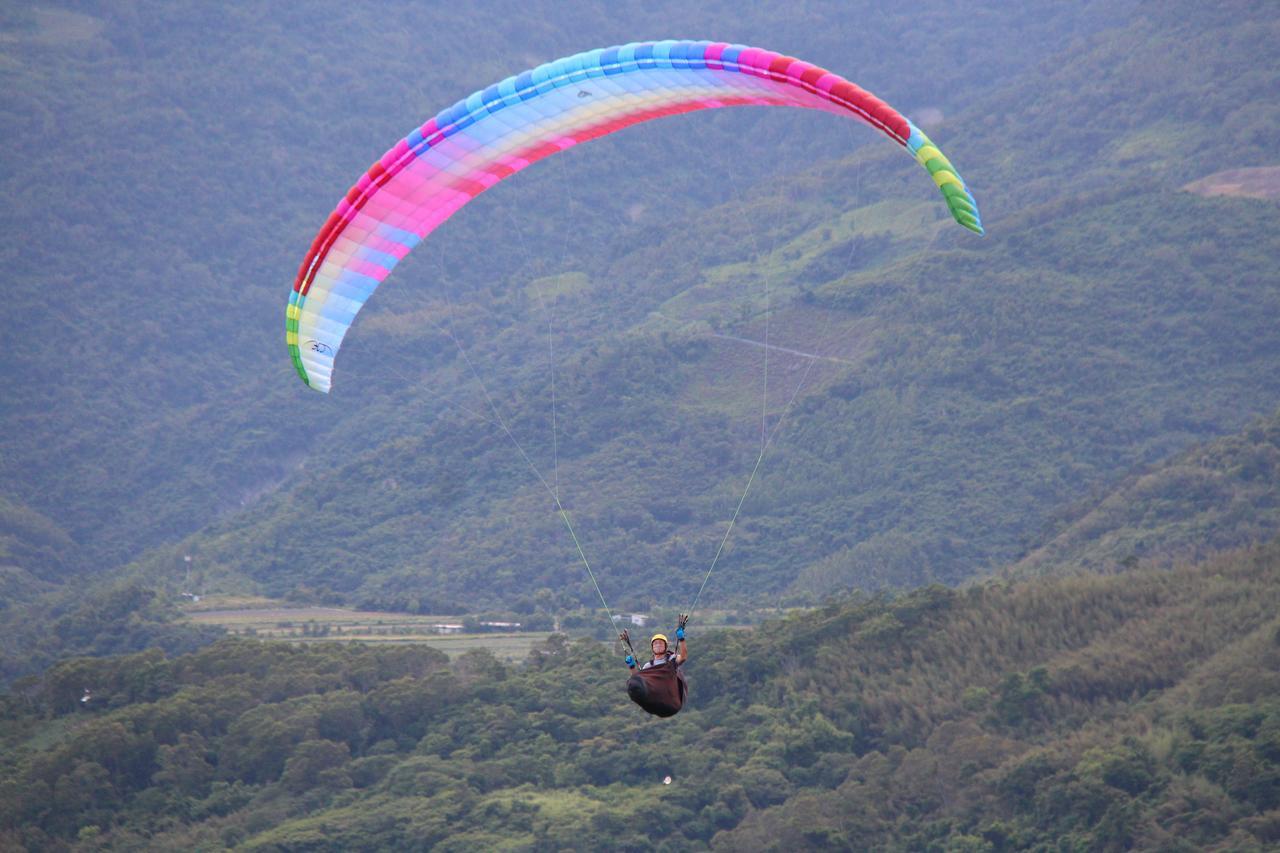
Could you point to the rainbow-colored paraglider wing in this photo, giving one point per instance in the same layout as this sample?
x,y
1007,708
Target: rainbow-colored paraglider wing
x,y
495,133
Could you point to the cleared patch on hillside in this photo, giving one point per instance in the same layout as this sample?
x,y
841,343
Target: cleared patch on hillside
x,y
55,28
804,344
555,287
741,292
1259,182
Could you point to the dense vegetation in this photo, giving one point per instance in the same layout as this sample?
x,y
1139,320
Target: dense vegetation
x,y
1223,494
1096,713
110,621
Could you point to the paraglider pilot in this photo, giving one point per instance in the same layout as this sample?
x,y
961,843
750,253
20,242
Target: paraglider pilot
x,y
658,685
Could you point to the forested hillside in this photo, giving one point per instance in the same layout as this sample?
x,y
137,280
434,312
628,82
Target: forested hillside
x,y
144,389
966,390
1132,712
969,411
953,396
1220,495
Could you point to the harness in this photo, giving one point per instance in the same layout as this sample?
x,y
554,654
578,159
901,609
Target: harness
x,y
659,688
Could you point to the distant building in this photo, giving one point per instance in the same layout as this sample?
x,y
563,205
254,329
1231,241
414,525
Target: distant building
x,y
447,629
512,625
639,620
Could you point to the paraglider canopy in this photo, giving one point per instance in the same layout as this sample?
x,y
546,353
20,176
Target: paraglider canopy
x,y
487,137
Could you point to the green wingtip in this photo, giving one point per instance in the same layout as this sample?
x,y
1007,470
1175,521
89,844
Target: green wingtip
x,y
969,220
963,208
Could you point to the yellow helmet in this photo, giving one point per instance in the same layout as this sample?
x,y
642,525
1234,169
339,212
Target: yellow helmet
x,y
662,637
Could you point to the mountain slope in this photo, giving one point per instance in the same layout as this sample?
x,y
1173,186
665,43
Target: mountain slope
x,y
966,392
990,392
145,391
1220,495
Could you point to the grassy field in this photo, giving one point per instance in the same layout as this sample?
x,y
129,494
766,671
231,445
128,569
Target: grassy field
x,y
269,620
